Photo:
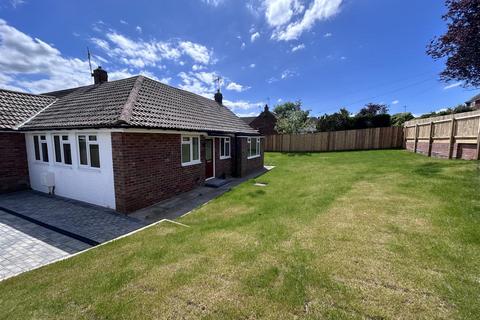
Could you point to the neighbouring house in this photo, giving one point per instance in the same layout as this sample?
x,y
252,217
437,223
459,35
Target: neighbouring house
x,y
474,102
264,123
123,144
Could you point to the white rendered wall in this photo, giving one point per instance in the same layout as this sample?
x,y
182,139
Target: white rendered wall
x,y
92,185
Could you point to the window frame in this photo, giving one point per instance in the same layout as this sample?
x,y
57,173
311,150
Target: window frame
x,y
40,150
190,143
87,146
223,142
62,149
257,145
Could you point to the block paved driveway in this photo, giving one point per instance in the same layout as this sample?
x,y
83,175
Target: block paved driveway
x,y
36,229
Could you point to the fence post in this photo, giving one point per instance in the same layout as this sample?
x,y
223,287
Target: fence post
x,y
430,139
452,139
478,140
415,142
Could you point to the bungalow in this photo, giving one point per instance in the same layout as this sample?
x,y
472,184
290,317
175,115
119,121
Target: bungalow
x,y
125,144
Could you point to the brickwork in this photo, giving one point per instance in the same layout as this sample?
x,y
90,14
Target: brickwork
x,y
223,168
245,165
147,169
13,162
466,151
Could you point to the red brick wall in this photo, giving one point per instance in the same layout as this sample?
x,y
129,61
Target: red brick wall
x,y
224,167
13,162
147,169
422,147
265,123
245,165
466,151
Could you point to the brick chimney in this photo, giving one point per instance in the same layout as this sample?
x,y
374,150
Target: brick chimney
x,y
266,108
99,75
219,96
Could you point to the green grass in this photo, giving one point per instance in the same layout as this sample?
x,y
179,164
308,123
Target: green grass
x,y
376,234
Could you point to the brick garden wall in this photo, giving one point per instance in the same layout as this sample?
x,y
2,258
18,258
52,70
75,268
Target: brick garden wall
x,y
466,151
13,162
147,169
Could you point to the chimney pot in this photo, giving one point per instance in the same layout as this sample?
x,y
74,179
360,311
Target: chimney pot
x,y
219,97
99,75
266,108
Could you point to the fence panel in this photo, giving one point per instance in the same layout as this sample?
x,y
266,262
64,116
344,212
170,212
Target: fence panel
x,y
362,139
450,136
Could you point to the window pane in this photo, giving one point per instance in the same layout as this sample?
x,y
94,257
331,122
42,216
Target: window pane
x,y
82,147
254,147
227,149
65,138
58,151
208,149
94,156
67,153
195,149
222,147
258,146
44,152
42,138
36,147
186,139
185,153
92,138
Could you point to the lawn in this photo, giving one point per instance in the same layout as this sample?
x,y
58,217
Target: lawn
x,y
374,234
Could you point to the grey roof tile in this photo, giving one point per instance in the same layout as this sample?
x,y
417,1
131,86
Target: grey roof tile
x,y
137,102
18,107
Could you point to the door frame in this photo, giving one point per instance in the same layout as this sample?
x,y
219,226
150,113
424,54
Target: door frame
x,y
213,158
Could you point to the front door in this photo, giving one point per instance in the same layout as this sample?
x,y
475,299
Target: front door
x,y
209,158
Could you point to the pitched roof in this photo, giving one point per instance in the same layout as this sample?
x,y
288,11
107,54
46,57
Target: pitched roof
x,y
136,102
248,120
18,107
475,98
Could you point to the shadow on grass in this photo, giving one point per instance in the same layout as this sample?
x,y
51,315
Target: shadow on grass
x,y
429,169
297,154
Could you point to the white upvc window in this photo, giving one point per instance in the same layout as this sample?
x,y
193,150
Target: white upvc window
x,y
190,150
225,148
62,149
253,147
40,147
88,150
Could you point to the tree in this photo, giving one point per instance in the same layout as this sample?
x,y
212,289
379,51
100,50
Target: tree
x,y
373,109
334,122
399,119
371,116
460,45
291,118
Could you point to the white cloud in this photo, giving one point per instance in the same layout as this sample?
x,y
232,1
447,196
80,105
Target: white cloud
x,y
202,83
328,35
241,105
197,67
395,102
253,65
140,53
282,16
138,29
243,46
255,36
299,47
33,65
197,52
453,85
16,3
280,12
288,74
123,22
214,3
233,86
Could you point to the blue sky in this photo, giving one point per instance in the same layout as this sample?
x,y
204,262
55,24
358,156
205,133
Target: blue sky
x,y
327,53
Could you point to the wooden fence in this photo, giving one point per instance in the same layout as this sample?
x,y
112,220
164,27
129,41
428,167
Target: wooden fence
x,y
450,136
362,139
